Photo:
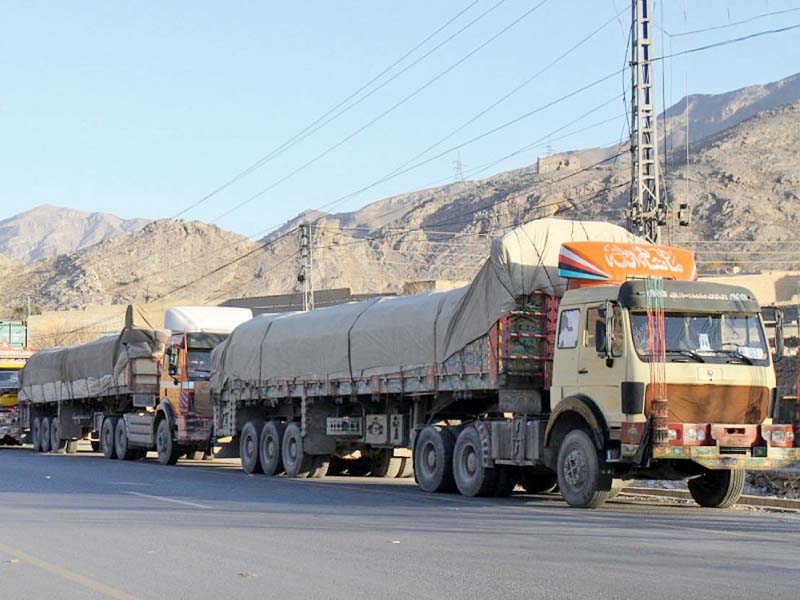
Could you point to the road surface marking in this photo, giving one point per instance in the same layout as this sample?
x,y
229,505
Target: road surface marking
x,y
173,500
82,580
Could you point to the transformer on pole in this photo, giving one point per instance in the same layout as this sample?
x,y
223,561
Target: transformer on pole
x,y
305,277
646,213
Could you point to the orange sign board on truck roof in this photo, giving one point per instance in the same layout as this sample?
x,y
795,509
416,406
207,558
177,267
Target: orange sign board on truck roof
x,y
593,263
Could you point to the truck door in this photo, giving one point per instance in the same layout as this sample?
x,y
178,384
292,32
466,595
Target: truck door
x,y
600,377
565,360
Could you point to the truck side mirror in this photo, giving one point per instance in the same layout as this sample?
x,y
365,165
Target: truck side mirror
x,y
779,345
600,342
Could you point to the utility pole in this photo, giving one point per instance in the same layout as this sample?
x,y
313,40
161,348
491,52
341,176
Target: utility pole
x,y
305,277
646,213
458,167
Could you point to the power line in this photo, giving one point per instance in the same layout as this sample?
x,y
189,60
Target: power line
x,y
728,25
383,114
473,211
729,42
312,127
513,91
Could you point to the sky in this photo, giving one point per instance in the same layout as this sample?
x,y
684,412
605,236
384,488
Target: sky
x,y
143,109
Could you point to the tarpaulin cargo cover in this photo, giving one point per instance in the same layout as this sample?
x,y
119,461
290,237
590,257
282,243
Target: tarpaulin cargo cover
x,y
392,335
98,368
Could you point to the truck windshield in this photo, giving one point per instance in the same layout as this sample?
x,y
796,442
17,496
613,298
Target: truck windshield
x,y
705,337
9,380
198,365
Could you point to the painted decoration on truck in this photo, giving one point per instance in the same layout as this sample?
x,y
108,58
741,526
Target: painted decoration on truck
x,y
616,262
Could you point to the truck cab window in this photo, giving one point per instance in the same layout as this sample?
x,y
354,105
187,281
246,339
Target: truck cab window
x,y
198,365
568,328
597,314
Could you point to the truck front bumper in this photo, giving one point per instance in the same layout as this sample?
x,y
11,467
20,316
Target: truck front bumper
x,y
8,431
719,446
193,429
712,457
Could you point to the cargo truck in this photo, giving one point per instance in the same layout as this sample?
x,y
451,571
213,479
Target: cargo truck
x,y
129,393
13,356
578,357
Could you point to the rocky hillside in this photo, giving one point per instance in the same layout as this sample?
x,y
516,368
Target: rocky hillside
x,y
710,114
742,183
47,231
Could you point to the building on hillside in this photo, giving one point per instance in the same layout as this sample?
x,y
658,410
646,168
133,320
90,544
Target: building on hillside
x,y
430,285
557,162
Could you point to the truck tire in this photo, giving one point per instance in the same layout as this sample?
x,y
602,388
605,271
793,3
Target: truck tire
x,y
538,482
71,447
580,476
296,462
270,448
718,489
472,477
57,445
248,448
107,435
124,451
44,435
166,447
36,434
383,463
433,459
408,468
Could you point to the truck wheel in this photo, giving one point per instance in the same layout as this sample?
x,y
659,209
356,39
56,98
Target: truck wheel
x,y
71,447
537,482
718,489
248,448
296,462
270,447
107,434
320,466
433,459
582,483
57,445
166,447
36,434
383,463
408,468
472,477
44,435
124,451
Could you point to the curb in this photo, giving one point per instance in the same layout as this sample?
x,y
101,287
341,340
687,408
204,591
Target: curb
x,y
766,502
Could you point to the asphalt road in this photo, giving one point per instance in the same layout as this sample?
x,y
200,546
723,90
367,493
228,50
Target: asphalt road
x,y
84,527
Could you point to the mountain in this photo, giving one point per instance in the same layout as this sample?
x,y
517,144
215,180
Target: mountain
x,y
46,231
741,181
710,114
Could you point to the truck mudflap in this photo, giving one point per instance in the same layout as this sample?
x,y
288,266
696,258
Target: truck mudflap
x,y
717,445
193,429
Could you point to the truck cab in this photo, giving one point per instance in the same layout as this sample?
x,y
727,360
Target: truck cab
x,y
185,372
12,360
662,379
184,414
